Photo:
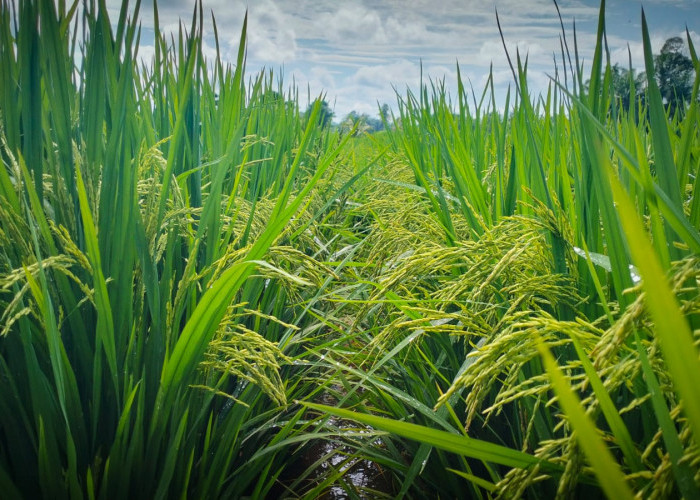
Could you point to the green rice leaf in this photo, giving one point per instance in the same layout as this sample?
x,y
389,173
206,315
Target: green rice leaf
x,y
612,416
682,472
672,329
105,323
455,443
599,457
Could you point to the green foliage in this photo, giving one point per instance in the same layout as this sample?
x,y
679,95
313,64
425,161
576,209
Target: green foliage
x,y
206,292
628,86
363,123
325,115
488,256
675,74
141,341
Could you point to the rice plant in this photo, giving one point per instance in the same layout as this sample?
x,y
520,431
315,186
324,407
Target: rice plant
x,y
145,346
554,235
206,293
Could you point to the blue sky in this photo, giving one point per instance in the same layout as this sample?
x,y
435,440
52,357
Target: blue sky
x,y
357,52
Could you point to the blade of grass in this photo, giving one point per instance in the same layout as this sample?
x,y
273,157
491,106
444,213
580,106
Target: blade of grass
x,y
461,445
681,470
672,330
105,323
612,416
599,457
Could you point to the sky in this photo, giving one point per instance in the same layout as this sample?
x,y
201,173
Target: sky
x,y
360,53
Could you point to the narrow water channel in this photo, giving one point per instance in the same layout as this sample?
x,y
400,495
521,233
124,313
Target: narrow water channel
x,y
360,478
366,479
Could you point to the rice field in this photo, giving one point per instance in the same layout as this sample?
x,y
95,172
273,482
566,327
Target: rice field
x,y
207,293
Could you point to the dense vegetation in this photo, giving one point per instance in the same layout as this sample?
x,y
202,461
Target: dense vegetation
x,y
199,283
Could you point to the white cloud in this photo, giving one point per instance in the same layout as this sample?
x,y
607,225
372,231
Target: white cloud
x,y
351,24
382,76
621,49
271,34
356,51
491,51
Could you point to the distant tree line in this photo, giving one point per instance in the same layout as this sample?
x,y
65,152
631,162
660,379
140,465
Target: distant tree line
x,y
673,71
325,114
353,121
363,123
674,74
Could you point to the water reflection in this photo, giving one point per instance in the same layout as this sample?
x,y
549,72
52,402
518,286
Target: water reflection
x,y
325,458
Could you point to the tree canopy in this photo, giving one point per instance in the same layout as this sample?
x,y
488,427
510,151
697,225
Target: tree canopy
x,y
325,115
364,122
674,74
628,85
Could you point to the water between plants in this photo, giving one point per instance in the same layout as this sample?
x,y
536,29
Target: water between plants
x,y
367,479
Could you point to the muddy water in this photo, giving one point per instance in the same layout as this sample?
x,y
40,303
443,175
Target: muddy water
x,y
365,479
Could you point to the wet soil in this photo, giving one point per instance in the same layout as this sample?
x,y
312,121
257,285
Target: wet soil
x,y
361,478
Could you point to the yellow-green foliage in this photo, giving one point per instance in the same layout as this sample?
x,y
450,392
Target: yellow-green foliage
x,y
496,303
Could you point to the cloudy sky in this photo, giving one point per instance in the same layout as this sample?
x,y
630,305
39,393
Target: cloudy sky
x,y
359,51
